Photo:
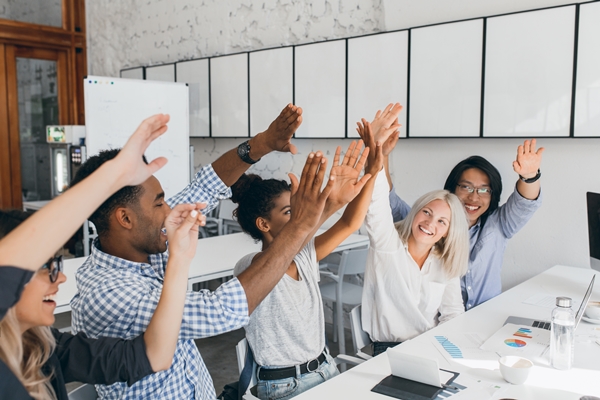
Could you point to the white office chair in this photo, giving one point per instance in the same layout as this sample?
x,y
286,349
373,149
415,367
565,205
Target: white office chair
x,y
360,338
352,262
83,392
240,351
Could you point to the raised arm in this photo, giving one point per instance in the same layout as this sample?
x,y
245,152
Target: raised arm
x,y
354,214
163,331
37,239
307,204
229,167
527,166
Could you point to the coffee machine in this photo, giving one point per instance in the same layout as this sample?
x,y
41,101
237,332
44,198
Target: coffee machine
x,y
67,153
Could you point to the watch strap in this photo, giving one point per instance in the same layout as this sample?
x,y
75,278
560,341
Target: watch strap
x,y
243,152
532,179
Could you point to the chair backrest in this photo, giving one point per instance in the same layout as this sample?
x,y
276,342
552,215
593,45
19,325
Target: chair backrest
x,y
240,349
353,261
84,392
360,338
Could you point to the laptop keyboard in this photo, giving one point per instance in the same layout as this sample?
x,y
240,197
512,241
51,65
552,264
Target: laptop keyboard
x,y
541,324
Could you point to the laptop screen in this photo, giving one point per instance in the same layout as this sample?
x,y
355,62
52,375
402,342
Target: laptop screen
x,y
593,214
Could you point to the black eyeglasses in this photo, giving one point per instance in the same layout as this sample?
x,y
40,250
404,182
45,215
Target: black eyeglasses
x,y
482,191
54,266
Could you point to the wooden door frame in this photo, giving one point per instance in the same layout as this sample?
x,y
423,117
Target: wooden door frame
x,y
70,42
64,111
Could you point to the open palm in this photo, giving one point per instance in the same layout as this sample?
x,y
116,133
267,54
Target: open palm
x,y
346,184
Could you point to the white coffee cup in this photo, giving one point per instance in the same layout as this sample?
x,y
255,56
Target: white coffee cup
x,y
515,369
593,310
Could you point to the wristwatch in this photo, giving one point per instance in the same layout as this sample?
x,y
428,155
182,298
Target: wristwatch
x,y
243,151
533,179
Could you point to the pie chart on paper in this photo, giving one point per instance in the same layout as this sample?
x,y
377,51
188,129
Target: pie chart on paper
x,y
515,343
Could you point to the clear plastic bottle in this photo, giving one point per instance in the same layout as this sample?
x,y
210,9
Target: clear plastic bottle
x,y
562,340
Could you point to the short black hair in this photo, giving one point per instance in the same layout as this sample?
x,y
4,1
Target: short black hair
x,y
255,198
487,168
127,196
10,219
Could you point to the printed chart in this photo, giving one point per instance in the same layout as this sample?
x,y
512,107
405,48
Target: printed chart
x,y
517,340
462,346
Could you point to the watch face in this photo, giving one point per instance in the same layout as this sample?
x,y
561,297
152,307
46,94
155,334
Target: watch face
x,y
243,149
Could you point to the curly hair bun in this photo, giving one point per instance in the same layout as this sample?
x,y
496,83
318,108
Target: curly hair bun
x,y
241,187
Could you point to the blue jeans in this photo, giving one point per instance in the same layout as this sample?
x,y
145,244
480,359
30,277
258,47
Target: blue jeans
x,y
282,389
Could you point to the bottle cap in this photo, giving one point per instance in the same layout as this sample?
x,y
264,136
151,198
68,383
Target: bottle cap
x,y
563,302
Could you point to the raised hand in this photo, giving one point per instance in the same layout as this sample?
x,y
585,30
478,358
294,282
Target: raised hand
x,y
133,170
278,135
182,230
528,159
385,127
346,185
308,200
375,156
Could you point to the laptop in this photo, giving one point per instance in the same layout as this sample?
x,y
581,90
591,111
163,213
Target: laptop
x,y
419,369
546,324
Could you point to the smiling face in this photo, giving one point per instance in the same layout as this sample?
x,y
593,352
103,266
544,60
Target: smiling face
x,y
431,223
475,204
36,306
150,215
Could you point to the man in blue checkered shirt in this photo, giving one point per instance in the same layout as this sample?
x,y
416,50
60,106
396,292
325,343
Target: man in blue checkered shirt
x,y
120,283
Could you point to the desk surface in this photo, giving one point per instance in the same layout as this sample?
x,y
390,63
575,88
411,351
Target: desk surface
x,y
544,382
215,258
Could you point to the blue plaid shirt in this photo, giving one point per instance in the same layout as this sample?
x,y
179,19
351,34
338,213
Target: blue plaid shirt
x,y
117,297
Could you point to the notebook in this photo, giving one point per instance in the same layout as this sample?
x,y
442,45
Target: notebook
x,y
546,324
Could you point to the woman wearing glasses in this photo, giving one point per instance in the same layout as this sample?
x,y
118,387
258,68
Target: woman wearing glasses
x,y
35,360
478,184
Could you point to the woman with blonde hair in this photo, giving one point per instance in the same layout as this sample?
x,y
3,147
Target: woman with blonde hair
x,y
35,360
412,279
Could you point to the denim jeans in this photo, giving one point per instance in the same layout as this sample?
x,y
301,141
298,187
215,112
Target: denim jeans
x,y
282,389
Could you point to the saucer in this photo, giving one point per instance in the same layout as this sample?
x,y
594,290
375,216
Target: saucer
x,y
591,321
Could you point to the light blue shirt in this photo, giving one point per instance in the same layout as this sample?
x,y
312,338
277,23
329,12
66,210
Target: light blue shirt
x,y
487,245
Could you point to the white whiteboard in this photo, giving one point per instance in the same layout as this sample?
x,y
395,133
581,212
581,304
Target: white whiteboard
x,y
229,96
445,80
374,83
529,73
587,97
115,107
133,73
320,89
271,86
165,73
195,74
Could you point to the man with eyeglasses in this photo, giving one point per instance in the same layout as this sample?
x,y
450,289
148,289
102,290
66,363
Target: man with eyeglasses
x,y
478,184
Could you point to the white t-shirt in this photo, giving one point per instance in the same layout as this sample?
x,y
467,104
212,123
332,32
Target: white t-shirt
x,y
288,327
401,301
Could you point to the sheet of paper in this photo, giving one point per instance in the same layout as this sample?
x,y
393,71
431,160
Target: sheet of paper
x,y
462,346
546,301
518,340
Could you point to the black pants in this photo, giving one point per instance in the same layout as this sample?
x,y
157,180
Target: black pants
x,y
380,347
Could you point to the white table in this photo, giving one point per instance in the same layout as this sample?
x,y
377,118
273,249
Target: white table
x,y
215,258
544,382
